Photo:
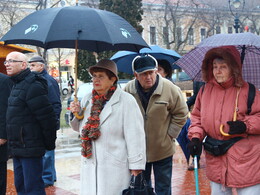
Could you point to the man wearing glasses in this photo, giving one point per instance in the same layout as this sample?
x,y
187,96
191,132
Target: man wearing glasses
x,y
30,122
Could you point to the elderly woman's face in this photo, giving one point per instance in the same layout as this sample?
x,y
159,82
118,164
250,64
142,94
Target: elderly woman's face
x,y
101,82
221,70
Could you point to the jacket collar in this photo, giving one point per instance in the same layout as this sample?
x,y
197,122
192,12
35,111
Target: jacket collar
x,y
19,77
229,83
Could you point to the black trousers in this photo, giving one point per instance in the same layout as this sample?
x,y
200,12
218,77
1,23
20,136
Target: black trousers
x,y
3,177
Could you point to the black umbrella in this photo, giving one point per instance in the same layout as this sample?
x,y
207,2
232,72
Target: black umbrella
x,y
94,29
75,27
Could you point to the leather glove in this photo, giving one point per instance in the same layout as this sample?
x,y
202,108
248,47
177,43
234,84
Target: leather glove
x,y
236,127
195,147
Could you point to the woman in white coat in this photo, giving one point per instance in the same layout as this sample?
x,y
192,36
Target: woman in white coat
x,y
112,134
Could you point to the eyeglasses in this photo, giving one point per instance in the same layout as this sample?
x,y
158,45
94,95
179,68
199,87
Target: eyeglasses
x,y
11,61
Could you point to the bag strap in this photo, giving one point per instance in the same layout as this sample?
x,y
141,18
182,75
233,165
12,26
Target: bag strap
x,y
251,97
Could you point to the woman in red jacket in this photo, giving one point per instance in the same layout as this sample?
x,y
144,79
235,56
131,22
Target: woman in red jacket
x,y
220,113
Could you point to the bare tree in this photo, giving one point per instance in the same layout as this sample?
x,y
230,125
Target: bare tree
x,y
10,13
178,19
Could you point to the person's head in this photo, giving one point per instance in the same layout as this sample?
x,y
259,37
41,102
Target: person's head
x,y
221,64
104,75
164,68
15,63
145,70
37,64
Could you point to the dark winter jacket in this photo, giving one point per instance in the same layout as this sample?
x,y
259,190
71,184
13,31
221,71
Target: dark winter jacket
x,y
31,121
53,95
5,88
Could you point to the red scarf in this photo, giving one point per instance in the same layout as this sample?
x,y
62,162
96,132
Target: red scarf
x,y
91,130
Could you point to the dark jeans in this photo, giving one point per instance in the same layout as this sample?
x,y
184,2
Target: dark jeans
x,y
49,172
28,176
3,177
162,175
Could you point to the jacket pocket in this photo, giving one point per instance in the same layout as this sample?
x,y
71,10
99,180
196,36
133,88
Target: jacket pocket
x,y
111,159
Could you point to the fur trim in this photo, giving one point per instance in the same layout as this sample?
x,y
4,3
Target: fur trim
x,y
231,55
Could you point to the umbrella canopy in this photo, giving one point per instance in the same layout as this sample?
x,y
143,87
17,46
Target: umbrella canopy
x,y
124,59
95,30
248,44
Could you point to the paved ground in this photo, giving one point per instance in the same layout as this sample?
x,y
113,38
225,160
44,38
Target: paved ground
x,y
68,164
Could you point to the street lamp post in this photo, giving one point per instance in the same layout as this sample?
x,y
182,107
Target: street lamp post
x,y
235,5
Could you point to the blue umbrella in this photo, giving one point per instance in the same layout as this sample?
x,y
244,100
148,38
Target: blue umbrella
x,y
124,59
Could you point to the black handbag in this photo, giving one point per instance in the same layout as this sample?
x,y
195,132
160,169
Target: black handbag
x,y
217,147
138,186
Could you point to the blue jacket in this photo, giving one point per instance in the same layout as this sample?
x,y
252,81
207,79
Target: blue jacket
x,y
53,95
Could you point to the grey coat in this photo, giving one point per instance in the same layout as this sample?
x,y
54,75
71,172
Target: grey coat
x,y
119,149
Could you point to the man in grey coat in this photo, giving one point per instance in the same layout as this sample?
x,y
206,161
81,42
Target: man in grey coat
x,y
165,112
38,64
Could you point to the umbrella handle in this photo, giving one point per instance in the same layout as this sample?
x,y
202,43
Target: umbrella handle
x,y
76,114
234,117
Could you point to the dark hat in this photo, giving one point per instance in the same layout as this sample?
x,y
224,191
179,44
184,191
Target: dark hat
x,y
144,63
37,59
105,64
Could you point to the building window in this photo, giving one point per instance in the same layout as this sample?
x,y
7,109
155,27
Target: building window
x,y
218,30
191,37
202,34
179,35
230,30
165,35
152,35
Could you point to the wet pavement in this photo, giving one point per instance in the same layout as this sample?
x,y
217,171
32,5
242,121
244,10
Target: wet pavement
x,y
68,166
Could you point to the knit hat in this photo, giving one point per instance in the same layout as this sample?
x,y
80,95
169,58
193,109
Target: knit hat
x,y
105,64
37,59
144,63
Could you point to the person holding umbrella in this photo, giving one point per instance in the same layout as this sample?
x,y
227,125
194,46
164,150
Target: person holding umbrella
x,y
221,113
112,134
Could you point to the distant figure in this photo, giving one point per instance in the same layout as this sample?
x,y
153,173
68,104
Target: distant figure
x,y
38,64
71,83
165,69
31,124
5,88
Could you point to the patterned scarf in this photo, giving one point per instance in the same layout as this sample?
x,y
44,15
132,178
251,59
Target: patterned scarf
x,y
91,130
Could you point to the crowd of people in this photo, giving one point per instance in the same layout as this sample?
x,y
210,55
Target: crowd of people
x,y
132,131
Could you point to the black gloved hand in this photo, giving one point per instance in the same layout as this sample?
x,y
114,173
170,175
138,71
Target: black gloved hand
x,y
195,147
236,127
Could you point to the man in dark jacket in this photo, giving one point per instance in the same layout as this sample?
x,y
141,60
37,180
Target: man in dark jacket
x,y
31,124
5,88
38,64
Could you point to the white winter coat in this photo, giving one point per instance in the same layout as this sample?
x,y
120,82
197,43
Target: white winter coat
x,y
119,149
